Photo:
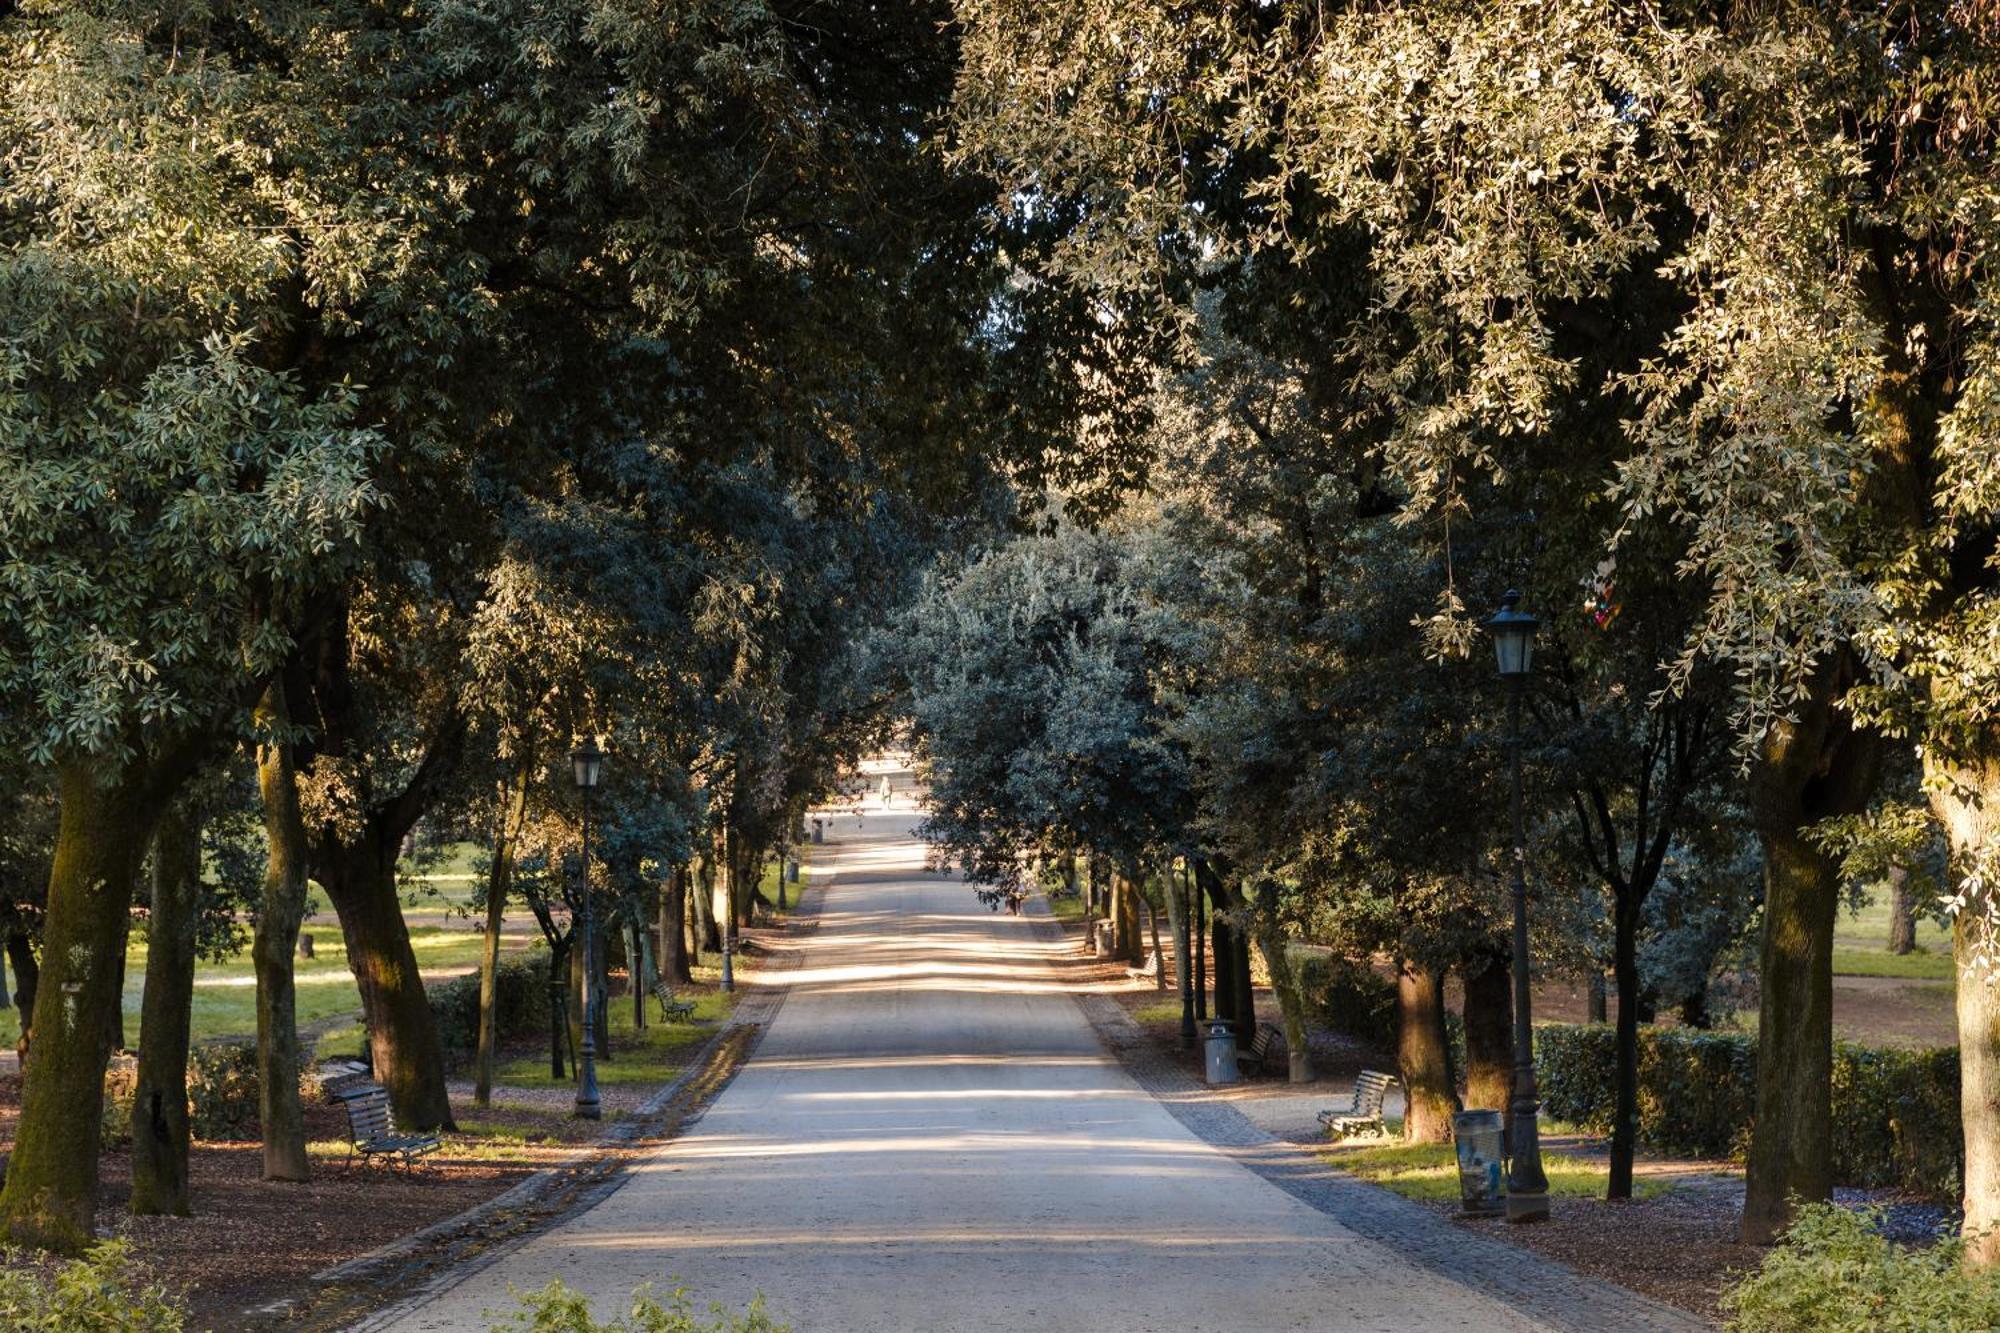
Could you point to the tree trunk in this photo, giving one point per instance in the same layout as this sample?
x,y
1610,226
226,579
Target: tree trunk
x,y
1159,960
1284,982
1966,799
1902,911
102,833
360,877
1625,1059
673,929
499,881
1198,944
274,946
1422,1056
159,1102
1808,769
559,969
27,973
707,925
1177,922
1598,1003
1489,1035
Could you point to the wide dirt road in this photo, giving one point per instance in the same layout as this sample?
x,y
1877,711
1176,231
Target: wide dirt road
x,y
931,1137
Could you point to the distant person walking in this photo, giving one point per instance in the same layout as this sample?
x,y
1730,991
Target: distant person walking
x,y
886,788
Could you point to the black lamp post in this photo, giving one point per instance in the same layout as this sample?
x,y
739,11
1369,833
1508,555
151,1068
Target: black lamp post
x,y
1527,1184
587,761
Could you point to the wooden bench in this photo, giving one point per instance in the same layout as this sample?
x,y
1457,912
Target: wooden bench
x,y
1364,1113
1150,972
672,1008
1266,1053
370,1133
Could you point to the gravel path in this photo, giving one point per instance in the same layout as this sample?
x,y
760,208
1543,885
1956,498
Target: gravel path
x,y
932,1136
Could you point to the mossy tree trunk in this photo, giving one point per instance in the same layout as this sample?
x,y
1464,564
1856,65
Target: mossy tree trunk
x,y
1284,982
1809,768
274,947
499,882
673,928
105,824
359,874
1902,911
1423,1058
1966,799
1235,996
160,1131
1177,923
1489,1034
708,929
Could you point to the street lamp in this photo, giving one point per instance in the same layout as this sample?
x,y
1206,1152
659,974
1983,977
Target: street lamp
x,y
1527,1184
587,762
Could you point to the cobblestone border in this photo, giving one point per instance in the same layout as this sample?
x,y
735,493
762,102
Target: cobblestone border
x,y
369,1290
1550,1292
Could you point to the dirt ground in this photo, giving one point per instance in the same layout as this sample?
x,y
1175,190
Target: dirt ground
x,y
252,1242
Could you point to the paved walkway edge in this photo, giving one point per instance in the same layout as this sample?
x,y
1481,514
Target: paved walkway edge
x,y
594,1174
1543,1289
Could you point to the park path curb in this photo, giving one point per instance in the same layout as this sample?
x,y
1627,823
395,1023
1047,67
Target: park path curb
x,y
360,1293
1543,1289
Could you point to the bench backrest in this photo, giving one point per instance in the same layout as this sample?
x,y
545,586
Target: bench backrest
x,y
1370,1089
367,1112
1267,1040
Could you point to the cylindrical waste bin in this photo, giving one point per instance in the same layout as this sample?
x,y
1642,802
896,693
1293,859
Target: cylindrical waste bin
x,y
1222,1054
791,872
1482,1176
1101,942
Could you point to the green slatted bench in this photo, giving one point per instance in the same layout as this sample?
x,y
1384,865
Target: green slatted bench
x,y
371,1134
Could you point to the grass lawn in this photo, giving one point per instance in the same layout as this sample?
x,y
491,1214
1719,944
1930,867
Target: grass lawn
x,y
1429,1171
658,1053
1860,940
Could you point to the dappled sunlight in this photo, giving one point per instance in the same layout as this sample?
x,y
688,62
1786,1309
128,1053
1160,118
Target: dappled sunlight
x,y
713,1146
1168,1235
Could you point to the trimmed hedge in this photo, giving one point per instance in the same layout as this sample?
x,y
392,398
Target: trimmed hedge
x,y
1895,1112
1349,997
520,1005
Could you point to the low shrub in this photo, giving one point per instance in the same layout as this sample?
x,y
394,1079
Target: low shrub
x,y
1349,997
557,1309
1835,1273
222,1091
520,1004
96,1292
1895,1112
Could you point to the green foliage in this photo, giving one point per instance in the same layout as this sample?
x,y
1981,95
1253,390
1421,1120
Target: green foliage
x,y
222,1090
97,1292
1895,1112
1896,1119
1833,1273
558,1309
1350,997
521,1004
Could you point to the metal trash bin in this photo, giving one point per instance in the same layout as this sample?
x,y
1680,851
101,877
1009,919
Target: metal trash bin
x,y
1222,1054
791,872
1101,943
1482,1171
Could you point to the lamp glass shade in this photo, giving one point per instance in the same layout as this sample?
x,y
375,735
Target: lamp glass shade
x,y
588,762
1513,637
